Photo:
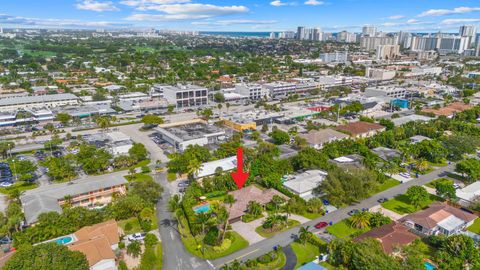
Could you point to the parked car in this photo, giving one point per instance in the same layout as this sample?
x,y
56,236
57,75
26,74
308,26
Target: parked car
x,y
321,225
136,237
183,184
456,186
382,200
353,212
6,184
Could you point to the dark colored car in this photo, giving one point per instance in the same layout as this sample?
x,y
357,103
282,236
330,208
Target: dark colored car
x,y
321,225
353,212
382,200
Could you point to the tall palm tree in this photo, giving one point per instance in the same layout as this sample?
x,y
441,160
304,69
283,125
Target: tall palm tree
x,y
104,122
193,167
202,219
229,199
304,235
360,220
422,165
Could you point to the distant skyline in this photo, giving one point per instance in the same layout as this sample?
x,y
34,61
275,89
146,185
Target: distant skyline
x,y
242,15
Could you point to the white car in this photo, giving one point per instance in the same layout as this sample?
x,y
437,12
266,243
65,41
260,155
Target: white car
x,y
456,186
6,184
136,237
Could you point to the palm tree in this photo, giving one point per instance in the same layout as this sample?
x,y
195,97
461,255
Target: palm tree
x,y
229,199
254,208
422,165
360,220
304,235
203,218
220,106
193,167
103,122
228,106
223,216
174,203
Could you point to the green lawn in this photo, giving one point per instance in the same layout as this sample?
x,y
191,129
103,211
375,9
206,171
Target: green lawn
x,y
343,230
20,186
401,204
263,232
275,265
194,244
135,225
475,227
440,180
305,253
389,183
171,176
159,264
311,215
138,177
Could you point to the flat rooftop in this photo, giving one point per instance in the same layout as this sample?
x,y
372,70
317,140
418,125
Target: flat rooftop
x,y
191,131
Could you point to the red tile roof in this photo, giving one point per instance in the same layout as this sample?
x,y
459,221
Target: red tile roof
x,y
390,236
360,127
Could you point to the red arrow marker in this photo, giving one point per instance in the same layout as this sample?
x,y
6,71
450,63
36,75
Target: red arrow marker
x,y
239,176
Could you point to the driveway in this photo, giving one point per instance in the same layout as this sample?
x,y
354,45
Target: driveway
x,y
247,230
291,258
389,213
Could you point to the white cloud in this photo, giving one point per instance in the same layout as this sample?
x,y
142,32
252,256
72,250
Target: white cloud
x,y
396,17
406,23
96,6
441,12
56,23
278,3
459,21
235,22
143,3
314,3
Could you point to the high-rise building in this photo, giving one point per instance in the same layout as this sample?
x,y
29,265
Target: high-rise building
x,y
387,52
371,43
478,50
309,33
347,37
369,30
470,32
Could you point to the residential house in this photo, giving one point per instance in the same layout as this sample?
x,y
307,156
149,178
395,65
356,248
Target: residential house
x,y
468,194
439,218
303,184
317,139
390,236
245,195
361,129
209,168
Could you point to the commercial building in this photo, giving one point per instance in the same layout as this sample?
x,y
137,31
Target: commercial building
x,y
280,89
252,91
91,192
380,74
186,96
338,57
25,116
439,218
180,137
42,101
392,92
250,120
303,184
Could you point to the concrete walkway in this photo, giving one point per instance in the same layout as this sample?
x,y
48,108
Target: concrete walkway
x,y
389,213
299,218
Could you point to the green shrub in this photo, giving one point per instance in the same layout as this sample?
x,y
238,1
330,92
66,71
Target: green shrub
x,y
128,226
224,246
215,194
150,239
121,245
171,176
267,258
211,238
122,265
146,225
146,169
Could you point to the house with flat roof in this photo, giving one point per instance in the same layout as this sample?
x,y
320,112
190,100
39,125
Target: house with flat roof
x,y
209,168
245,195
439,218
304,183
361,129
468,194
410,118
93,191
318,138
386,153
390,236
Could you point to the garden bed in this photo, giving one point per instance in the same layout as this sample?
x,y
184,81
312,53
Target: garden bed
x,y
267,233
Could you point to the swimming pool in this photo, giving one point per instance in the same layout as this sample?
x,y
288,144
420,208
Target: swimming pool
x,y
201,209
64,240
429,266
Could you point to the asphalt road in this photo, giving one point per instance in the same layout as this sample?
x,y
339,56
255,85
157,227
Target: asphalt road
x,y
285,238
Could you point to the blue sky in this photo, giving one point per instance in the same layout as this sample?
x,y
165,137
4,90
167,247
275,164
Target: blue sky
x,y
242,15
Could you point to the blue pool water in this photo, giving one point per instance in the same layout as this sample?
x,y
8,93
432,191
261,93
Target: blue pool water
x,y
64,240
202,209
429,266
